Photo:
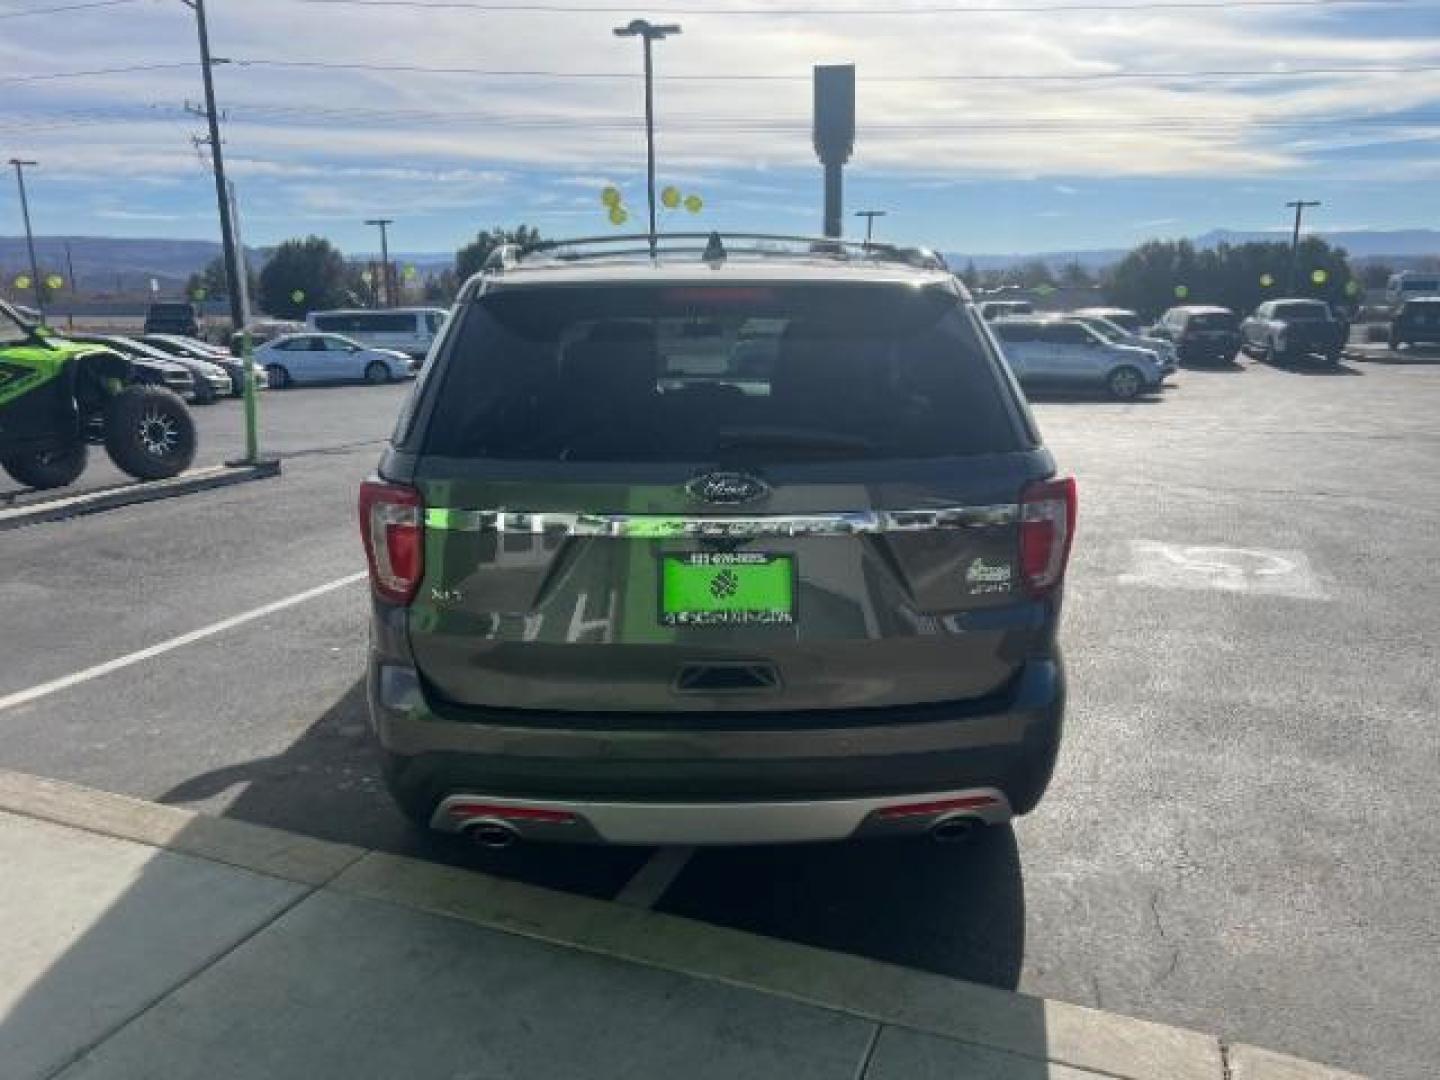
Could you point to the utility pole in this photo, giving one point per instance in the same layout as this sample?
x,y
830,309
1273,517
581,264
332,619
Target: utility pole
x,y
870,216
1300,206
217,164
385,274
20,165
648,33
234,285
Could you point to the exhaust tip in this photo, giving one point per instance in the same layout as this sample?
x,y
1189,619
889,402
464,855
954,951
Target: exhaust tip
x,y
494,835
952,830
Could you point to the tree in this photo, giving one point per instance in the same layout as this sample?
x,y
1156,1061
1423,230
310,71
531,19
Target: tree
x,y
441,288
471,258
301,276
1161,274
1374,275
1073,275
211,283
1029,274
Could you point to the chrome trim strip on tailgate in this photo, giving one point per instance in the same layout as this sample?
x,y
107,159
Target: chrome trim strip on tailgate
x,y
798,821
664,526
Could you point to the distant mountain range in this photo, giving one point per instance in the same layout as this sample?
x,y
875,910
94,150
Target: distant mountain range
x,y
109,263
1397,246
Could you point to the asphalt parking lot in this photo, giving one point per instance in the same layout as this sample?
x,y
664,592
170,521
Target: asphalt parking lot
x,y
1243,834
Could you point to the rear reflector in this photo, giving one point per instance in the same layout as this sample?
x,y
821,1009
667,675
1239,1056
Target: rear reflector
x,y
391,525
467,811
939,806
1047,526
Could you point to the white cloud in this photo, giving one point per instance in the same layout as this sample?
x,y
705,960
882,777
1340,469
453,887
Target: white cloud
x,y
337,142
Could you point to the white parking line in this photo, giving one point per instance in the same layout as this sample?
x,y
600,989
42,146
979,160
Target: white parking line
x,y
24,697
648,885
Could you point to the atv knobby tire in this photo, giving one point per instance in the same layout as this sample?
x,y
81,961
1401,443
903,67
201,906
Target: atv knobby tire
x,y
149,432
47,468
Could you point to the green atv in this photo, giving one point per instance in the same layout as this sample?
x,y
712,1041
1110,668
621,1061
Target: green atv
x,y
57,396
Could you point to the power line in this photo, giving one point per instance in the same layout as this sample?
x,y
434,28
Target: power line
x,y
626,76
64,7
47,76
1087,76
926,10
1112,122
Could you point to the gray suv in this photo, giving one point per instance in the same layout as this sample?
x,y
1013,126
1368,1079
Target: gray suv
x,y
740,540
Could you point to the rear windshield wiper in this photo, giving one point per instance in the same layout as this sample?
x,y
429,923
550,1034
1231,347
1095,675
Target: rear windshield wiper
x,y
786,438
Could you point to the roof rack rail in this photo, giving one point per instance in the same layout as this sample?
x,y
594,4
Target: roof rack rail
x,y
711,247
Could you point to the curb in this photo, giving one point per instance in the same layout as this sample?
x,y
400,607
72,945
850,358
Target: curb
x,y
1034,1028
94,502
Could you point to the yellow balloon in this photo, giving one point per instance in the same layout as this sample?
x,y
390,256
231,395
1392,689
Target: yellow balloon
x,y
298,296
54,281
694,203
618,216
670,197
1182,291
22,282
610,197
1266,280
1352,288
1319,277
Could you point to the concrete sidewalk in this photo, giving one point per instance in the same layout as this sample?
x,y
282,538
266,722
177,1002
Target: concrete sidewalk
x,y
145,941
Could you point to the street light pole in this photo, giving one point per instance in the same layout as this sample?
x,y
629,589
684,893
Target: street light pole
x,y
1300,206
648,33
20,165
385,275
870,216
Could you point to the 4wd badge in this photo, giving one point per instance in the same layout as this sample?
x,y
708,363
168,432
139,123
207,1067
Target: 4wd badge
x,y
727,488
988,577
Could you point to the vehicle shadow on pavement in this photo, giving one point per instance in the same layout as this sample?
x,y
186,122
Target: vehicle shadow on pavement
x,y
327,784
1409,356
954,909
1219,367
1303,367
1083,397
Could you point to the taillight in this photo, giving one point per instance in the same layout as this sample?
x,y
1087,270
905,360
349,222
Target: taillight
x,y
392,526
1047,525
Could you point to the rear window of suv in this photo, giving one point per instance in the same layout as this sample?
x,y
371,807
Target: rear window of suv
x,y
707,373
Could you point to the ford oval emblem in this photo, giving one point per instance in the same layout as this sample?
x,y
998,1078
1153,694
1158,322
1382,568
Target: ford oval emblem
x,y
727,488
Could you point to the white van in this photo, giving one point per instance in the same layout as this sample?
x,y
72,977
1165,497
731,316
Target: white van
x,y
410,330
1409,284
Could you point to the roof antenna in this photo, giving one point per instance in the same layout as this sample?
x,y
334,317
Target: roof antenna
x,y
714,250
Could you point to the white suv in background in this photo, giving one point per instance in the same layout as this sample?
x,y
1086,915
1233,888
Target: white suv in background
x,y
408,330
1064,353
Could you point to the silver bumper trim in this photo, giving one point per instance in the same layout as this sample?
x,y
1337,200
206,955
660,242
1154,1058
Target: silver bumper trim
x,y
787,822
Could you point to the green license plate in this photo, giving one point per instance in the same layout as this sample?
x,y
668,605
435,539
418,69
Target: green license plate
x,y
741,588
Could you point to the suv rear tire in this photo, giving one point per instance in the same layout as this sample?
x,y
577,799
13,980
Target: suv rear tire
x,y
45,469
149,432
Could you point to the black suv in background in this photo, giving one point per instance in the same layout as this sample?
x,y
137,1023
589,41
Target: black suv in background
x,y
172,317
638,579
1416,323
1201,334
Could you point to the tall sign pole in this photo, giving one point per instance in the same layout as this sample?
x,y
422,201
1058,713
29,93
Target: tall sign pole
x,y
35,281
834,135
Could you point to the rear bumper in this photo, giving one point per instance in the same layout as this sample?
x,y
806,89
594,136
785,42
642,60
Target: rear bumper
x,y
830,779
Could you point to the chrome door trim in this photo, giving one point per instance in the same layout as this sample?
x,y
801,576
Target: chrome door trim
x,y
667,526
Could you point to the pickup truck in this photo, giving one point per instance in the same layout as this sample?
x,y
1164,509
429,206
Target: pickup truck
x,y
1291,329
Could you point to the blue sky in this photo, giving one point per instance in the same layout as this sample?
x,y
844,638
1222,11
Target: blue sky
x,y
984,163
